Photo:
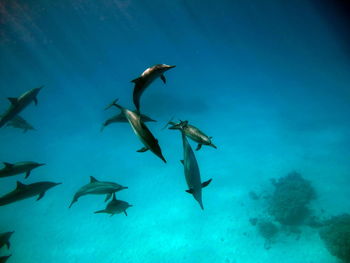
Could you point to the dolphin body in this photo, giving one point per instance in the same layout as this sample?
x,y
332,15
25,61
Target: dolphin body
x,y
20,123
115,207
192,174
121,118
193,133
24,191
5,239
3,259
146,78
141,130
19,104
97,188
18,168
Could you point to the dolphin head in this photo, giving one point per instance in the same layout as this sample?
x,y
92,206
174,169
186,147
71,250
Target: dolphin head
x,y
178,126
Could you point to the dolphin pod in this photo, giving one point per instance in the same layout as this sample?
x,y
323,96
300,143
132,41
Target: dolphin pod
x,y
193,133
141,130
24,191
96,187
115,207
19,104
19,168
146,78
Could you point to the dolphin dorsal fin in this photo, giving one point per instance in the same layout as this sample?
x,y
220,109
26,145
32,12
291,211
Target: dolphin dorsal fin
x,y
7,165
114,197
20,185
12,100
93,179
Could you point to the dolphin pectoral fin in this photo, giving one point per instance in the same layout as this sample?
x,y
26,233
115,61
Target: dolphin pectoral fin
x,y
27,174
199,147
8,244
41,195
182,161
206,183
100,211
142,150
190,191
36,101
125,213
8,165
108,196
162,77
13,100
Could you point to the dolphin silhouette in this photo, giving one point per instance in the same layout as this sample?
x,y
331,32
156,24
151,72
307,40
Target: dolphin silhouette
x,y
146,78
97,188
24,191
115,207
141,130
19,104
18,168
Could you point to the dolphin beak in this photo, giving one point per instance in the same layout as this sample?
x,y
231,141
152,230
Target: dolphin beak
x,y
57,184
41,164
173,66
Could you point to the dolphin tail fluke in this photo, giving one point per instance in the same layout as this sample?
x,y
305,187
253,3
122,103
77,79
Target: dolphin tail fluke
x,y
206,183
114,103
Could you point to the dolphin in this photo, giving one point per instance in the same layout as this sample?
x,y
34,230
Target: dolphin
x,y
146,78
18,168
18,104
192,174
141,130
97,188
20,123
115,207
121,118
24,191
5,239
193,133
3,259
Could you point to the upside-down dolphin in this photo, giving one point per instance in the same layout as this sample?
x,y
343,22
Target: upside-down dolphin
x,y
18,104
5,239
18,168
146,78
115,207
24,191
97,188
141,130
193,133
121,118
192,174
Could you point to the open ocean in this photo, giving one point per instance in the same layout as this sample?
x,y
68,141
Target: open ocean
x,y
268,80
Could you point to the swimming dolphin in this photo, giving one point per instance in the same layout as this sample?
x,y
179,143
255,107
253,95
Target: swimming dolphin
x,y
115,207
193,133
97,188
146,78
18,168
24,191
18,104
3,259
141,130
192,174
20,123
5,239
121,118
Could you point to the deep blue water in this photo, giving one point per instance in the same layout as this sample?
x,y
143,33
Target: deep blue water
x,y
269,80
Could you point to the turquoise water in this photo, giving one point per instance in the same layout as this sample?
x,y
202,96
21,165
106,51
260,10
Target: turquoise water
x,y
269,80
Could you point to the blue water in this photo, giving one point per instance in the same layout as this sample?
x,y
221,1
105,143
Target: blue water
x,y
269,80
